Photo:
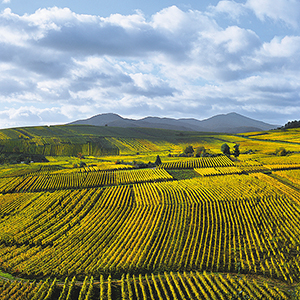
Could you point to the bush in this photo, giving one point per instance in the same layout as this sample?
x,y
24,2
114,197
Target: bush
x,y
188,150
281,151
200,151
157,161
236,152
82,164
225,149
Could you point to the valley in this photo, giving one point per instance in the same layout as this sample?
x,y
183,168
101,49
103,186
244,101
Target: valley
x,y
99,220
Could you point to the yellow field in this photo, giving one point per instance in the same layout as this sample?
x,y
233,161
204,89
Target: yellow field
x,y
107,230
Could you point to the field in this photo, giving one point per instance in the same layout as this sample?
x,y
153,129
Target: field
x,y
95,220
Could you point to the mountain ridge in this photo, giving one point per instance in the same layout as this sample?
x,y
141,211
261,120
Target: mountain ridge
x,y
224,123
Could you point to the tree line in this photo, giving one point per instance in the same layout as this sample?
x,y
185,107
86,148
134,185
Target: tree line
x,y
292,124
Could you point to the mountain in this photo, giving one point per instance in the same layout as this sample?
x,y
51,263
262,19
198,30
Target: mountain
x,y
227,123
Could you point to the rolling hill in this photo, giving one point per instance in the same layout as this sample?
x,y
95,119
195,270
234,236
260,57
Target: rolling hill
x,y
69,140
92,227
226,123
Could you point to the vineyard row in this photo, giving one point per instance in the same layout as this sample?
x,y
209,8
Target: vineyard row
x,y
186,285
234,223
54,182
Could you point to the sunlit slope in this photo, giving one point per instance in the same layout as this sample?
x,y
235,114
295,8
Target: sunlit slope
x,y
173,231
67,140
171,285
285,135
232,223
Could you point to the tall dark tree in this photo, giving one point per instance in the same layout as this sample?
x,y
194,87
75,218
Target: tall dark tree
x,y
158,160
225,149
236,152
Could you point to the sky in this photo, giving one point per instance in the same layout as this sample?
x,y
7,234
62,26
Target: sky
x,y
61,61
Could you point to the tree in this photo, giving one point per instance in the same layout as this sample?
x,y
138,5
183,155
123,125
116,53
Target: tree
x,y
225,149
158,160
281,151
82,164
200,151
293,124
189,150
236,152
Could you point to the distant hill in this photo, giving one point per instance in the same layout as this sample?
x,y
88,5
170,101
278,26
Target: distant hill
x,y
225,123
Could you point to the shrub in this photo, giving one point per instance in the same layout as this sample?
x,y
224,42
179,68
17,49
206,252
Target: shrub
x,y
158,160
225,149
281,151
188,150
200,151
82,164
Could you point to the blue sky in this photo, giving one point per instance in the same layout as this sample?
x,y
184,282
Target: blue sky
x,y
68,60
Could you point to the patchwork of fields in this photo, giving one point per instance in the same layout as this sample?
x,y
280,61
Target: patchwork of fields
x,y
190,228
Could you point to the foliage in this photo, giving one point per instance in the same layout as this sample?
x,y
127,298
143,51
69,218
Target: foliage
x,y
296,292
236,152
189,150
200,151
158,161
218,161
82,164
6,275
183,174
57,221
281,151
178,217
225,149
16,158
291,124
166,285
87,178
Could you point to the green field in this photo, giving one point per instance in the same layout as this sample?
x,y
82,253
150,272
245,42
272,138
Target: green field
x,y
97,219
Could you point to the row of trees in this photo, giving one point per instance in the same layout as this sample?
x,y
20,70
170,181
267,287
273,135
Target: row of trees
x,y
226,150
201,151
198,152
292,124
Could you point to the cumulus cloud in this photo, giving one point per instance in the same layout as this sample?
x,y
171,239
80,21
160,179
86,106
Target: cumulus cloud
x,y
287,11
232,9
175,63
287,47
28,115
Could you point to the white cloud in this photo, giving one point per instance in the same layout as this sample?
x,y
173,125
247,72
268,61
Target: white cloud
x,y
232,9
171,19
176,63
287,11
288,47
30,115
237,40
5,1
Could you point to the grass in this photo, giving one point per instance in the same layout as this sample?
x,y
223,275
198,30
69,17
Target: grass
x,y
6,275
183,174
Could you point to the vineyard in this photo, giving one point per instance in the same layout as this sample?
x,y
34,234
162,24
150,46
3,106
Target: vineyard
x,y
167,285
71,180
229,230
